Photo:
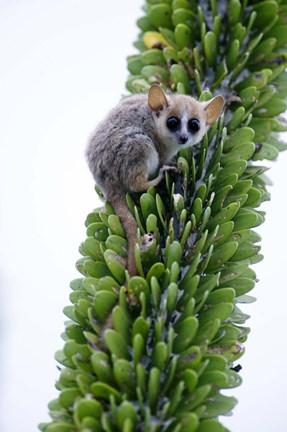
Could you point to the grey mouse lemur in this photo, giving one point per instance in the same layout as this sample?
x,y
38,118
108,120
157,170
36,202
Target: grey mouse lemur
x,y
138,136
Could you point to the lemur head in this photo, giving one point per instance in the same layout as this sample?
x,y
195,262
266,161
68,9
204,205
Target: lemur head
x,y
180,120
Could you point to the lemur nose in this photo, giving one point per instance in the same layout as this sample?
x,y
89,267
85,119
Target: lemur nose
x,y
183,139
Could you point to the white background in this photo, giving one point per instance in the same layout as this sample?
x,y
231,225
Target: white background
x,y
62,67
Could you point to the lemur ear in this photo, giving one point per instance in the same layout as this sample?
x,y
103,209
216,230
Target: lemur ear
x,y
213,109
157,100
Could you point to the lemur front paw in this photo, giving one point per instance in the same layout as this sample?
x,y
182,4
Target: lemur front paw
x,y
168,168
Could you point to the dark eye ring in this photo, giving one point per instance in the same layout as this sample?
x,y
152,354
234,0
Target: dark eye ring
x,y
173,123
193,125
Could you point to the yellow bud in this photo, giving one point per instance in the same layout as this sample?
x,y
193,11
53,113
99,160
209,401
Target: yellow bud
x,y
153,39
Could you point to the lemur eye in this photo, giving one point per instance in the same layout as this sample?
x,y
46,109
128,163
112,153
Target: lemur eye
x,y
193,125
173,123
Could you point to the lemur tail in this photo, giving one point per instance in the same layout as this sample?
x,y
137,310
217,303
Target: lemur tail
x,y
130,227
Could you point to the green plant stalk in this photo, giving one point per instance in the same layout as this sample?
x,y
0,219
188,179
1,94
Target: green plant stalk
x,y
152,352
